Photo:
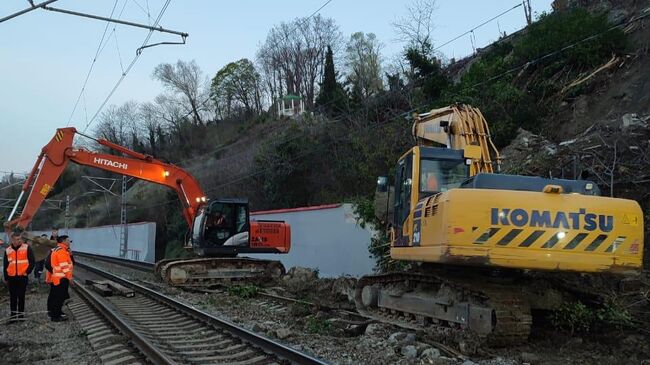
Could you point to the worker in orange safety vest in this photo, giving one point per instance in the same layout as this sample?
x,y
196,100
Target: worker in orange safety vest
x,y
18,264
59,266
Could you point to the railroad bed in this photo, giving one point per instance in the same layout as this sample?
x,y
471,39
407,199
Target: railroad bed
x,y
167,331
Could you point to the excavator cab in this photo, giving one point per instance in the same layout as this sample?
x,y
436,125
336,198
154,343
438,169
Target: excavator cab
x,y
430,170
221,223
222,227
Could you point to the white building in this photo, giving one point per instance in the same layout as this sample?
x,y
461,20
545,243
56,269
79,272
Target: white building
x,y
290,105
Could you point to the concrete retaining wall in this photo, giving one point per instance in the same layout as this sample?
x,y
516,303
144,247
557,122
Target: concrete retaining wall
x,y
105,240
324,238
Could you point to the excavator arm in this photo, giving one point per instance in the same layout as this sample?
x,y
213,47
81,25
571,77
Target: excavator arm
x,y
55,156
458,127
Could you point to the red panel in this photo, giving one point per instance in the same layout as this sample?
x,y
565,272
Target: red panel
x,y
270,235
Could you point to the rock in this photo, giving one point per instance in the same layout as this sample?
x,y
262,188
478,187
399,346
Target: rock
x,y
345,286
467,348
300,278
389,352
354,330
421,346
617,15
430,353
529,357
396,337
410,352
575,341
632,120
633,340
282,333
373,329
257,328
550,150
301,273
469,362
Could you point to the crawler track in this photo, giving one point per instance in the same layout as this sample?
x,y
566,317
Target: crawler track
x,y
511,318
167,331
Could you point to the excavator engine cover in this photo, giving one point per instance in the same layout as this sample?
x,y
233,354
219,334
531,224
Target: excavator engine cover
x,y
525,230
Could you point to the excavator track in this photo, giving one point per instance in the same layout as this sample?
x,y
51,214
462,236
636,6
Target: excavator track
x,y
205,272
498,313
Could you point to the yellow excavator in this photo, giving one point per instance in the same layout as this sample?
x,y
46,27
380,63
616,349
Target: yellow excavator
x,y
475,233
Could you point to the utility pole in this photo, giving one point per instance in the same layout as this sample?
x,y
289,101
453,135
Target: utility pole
x,y
66,220
528,11
124,236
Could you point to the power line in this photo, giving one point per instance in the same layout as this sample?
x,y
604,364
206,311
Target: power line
x,y
126,72
92,65
478,26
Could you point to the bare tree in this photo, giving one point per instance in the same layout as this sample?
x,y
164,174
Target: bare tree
x,y
416,26
185,79
119,124
293,56
151,123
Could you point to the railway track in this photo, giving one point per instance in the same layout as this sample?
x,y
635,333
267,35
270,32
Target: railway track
x,y
166,331
277,302
149,268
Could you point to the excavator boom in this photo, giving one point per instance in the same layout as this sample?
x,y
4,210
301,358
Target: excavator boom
x,y
458,127
56,155
219,228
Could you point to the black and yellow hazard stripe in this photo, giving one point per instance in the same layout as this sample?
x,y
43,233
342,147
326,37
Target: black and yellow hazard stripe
x,y
58,136
515,237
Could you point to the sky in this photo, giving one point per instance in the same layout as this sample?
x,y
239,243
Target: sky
x,y
45,56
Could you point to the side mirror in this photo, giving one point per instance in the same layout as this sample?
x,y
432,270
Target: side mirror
x,y
382,184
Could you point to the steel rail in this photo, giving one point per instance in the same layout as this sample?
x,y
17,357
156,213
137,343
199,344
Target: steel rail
x,y
140,342
132,264
266,344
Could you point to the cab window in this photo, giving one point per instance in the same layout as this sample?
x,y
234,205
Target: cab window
x,y
441,175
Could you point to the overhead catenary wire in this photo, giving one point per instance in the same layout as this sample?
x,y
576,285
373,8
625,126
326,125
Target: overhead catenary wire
x,y
128,68
478,26
92,65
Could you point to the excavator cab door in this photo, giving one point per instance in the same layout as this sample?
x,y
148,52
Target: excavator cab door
x,y
403,187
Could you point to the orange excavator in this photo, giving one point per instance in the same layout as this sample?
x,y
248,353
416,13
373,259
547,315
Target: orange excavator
x,y
219,229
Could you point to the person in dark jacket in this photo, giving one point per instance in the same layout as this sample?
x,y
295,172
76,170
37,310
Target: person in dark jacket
x,y
38,267
18,264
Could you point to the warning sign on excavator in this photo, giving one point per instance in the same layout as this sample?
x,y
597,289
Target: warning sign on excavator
x,y
632,220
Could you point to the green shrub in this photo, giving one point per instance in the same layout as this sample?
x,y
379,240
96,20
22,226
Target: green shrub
x,y
318,325
577,317
244,291
559,29
574,317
